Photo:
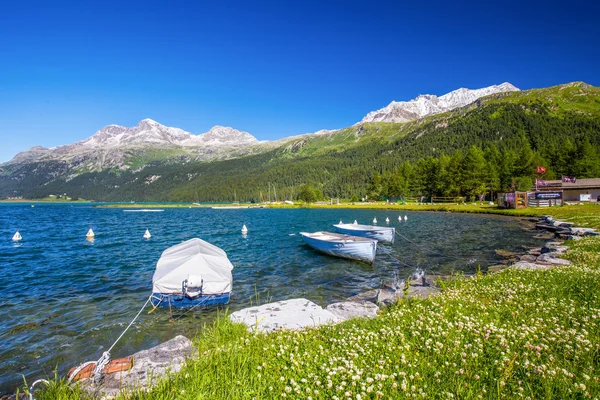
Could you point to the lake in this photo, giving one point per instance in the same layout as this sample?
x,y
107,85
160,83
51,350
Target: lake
x,y
65,300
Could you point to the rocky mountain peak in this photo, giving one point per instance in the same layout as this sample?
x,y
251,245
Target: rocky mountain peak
x,y
428,104
226,135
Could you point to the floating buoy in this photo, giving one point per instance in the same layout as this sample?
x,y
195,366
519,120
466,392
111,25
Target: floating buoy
x,y
32,206
147,234
17,236
387,220
405,218
90,234
355,223
374,220
244,229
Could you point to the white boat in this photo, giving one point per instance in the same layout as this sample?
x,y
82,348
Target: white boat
x,y
381,233
344,246
191,274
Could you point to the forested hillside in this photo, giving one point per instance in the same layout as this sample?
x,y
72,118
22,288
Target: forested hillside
x,y
489,146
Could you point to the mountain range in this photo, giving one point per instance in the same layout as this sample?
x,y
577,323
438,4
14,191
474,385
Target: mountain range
x,y
107,148
153,162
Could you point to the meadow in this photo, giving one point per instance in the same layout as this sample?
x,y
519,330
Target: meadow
x,y
510,334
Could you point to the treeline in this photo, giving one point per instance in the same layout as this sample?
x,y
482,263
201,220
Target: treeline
x,y
485,171
487,149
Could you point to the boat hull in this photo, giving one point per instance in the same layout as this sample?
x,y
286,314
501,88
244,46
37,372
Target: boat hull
x,y
180,301
361,251
382,234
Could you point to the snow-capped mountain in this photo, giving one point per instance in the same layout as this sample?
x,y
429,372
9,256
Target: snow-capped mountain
x,y
146,133
428,104
111,142
150,133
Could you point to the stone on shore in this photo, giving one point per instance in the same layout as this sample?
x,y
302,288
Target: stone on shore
x,y
582,231
350,309
149,366
524,265
527,258
549,258
554,247
288,314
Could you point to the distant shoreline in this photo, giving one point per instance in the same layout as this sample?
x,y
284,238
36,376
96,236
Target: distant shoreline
x,y
584,214
44,201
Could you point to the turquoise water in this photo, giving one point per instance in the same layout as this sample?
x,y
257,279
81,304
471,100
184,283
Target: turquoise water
x,y
65,300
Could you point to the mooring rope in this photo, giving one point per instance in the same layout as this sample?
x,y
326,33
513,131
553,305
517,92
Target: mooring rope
x,y
105,359
33,385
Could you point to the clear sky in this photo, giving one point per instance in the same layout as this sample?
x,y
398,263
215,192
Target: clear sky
x,y
273,69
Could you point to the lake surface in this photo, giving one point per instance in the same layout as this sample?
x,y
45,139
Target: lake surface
x,y
65,300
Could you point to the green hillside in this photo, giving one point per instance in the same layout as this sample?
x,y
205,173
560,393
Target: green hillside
x,y
488,146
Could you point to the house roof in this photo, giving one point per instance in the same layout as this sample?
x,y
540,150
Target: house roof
x,y
584,183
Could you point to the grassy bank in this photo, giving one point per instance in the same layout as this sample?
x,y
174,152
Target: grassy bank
x,y
512,334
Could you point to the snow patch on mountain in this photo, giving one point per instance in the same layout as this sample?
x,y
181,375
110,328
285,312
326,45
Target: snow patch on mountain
x,y
428,104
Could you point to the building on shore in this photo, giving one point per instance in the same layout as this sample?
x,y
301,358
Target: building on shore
x,y
553,193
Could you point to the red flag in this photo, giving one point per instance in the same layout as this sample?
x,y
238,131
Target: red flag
x,y
541,169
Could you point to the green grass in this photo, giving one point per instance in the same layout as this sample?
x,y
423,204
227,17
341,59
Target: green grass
x,y
512,334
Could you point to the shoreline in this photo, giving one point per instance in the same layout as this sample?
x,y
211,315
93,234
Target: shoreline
x,y
525,266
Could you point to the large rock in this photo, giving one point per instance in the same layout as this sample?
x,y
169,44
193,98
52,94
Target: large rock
x,y
582,231
555,248
351,309
523,265
288,314
527,258
549,258
149,366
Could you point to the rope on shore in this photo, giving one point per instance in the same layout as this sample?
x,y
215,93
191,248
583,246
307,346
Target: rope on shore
x,y
105,359
33,385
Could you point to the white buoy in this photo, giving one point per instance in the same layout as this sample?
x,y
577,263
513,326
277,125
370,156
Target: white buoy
x,y
355,223
147,234
400,218
90,234
405,218
17,236
375,220
244,229
387,220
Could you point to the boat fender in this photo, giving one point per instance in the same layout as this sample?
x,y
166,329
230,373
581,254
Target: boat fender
x,y
192,286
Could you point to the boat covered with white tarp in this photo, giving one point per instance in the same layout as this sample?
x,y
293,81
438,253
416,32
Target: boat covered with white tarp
x,y
345,246
381,233
192,273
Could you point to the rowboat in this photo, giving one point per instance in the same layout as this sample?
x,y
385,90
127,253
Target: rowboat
x,y
344,246
381,233
190,274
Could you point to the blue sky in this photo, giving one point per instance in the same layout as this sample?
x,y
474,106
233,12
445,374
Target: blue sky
x,y
273,69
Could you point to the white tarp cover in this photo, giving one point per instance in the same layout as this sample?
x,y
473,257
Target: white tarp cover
x,y
193,258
